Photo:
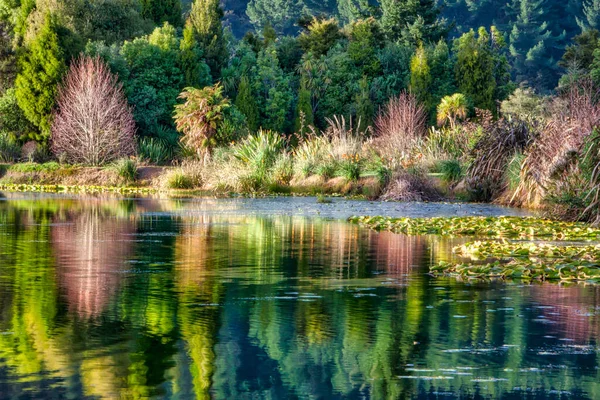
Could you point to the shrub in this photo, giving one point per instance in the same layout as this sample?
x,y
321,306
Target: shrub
x,y
283,169
311,152
452,171
9,150
451,109
179,180
93,123
351,167
126,169
153,150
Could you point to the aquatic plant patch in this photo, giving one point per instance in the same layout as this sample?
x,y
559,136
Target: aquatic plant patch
x,y
490,227
524,261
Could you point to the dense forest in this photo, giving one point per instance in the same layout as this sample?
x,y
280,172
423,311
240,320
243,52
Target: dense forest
x,y
271,91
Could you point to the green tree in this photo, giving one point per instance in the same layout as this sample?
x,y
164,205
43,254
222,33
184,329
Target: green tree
x,y
246,103
304,112
200,115
280,14
320,36
451,109
366,39
581,53
413,21
274,90
153,78
532,44
41,69
191,62
364,106
591,15
8,58
352,10
206,18
161,11
420,77
475,69
442,72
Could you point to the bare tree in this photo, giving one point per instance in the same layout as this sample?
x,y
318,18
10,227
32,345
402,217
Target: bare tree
x,y
398,126
93,124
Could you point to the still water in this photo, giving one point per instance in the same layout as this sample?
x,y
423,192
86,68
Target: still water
x,y
105,298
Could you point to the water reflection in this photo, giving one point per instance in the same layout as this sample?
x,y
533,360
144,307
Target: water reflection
x,y
104,298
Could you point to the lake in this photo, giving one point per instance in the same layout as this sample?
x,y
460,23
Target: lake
x,y
105,298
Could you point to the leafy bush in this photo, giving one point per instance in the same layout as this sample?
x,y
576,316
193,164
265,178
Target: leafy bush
x,y
9,150
179,180
351,167
33,167
153,150
451,170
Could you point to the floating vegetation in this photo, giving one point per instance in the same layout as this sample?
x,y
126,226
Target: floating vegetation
x,y
525,261
491,227
502,259
524,269
482,250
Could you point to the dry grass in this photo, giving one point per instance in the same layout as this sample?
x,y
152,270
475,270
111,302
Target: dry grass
x,y
407,186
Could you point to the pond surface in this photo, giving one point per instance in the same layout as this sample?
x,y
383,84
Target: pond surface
x,y
106,298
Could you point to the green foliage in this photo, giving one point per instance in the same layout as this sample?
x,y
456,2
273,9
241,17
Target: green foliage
x,y
523,103
127,169
274,91
490,227
366,39
179,180
452,171
412,21
280,14
196,72
304,112
41,70
9,150
320,36
12,119
452,108
35,167
351,167
153,77
420,77
365,110
206,18
8,58
153,150
246,104
475,65
200,115
161,11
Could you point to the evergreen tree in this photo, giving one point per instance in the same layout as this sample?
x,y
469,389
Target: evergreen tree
x,y
41,70
206,17
420,77
591,15
246,103
412,21
195,70
273,88
366,39
161,11
442,72
532,44
475,69
320,36
8,60
364,106
304,112
352,10
280,14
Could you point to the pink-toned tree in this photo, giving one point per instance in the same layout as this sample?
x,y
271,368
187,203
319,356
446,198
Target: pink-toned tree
x,y
92,123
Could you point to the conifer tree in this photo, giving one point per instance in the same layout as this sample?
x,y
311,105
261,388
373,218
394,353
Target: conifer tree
x,y
195,70
412,21
206,18
246,103
532,44
161,11
352,10
41,70
475,69
8,67
591,15
280,14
